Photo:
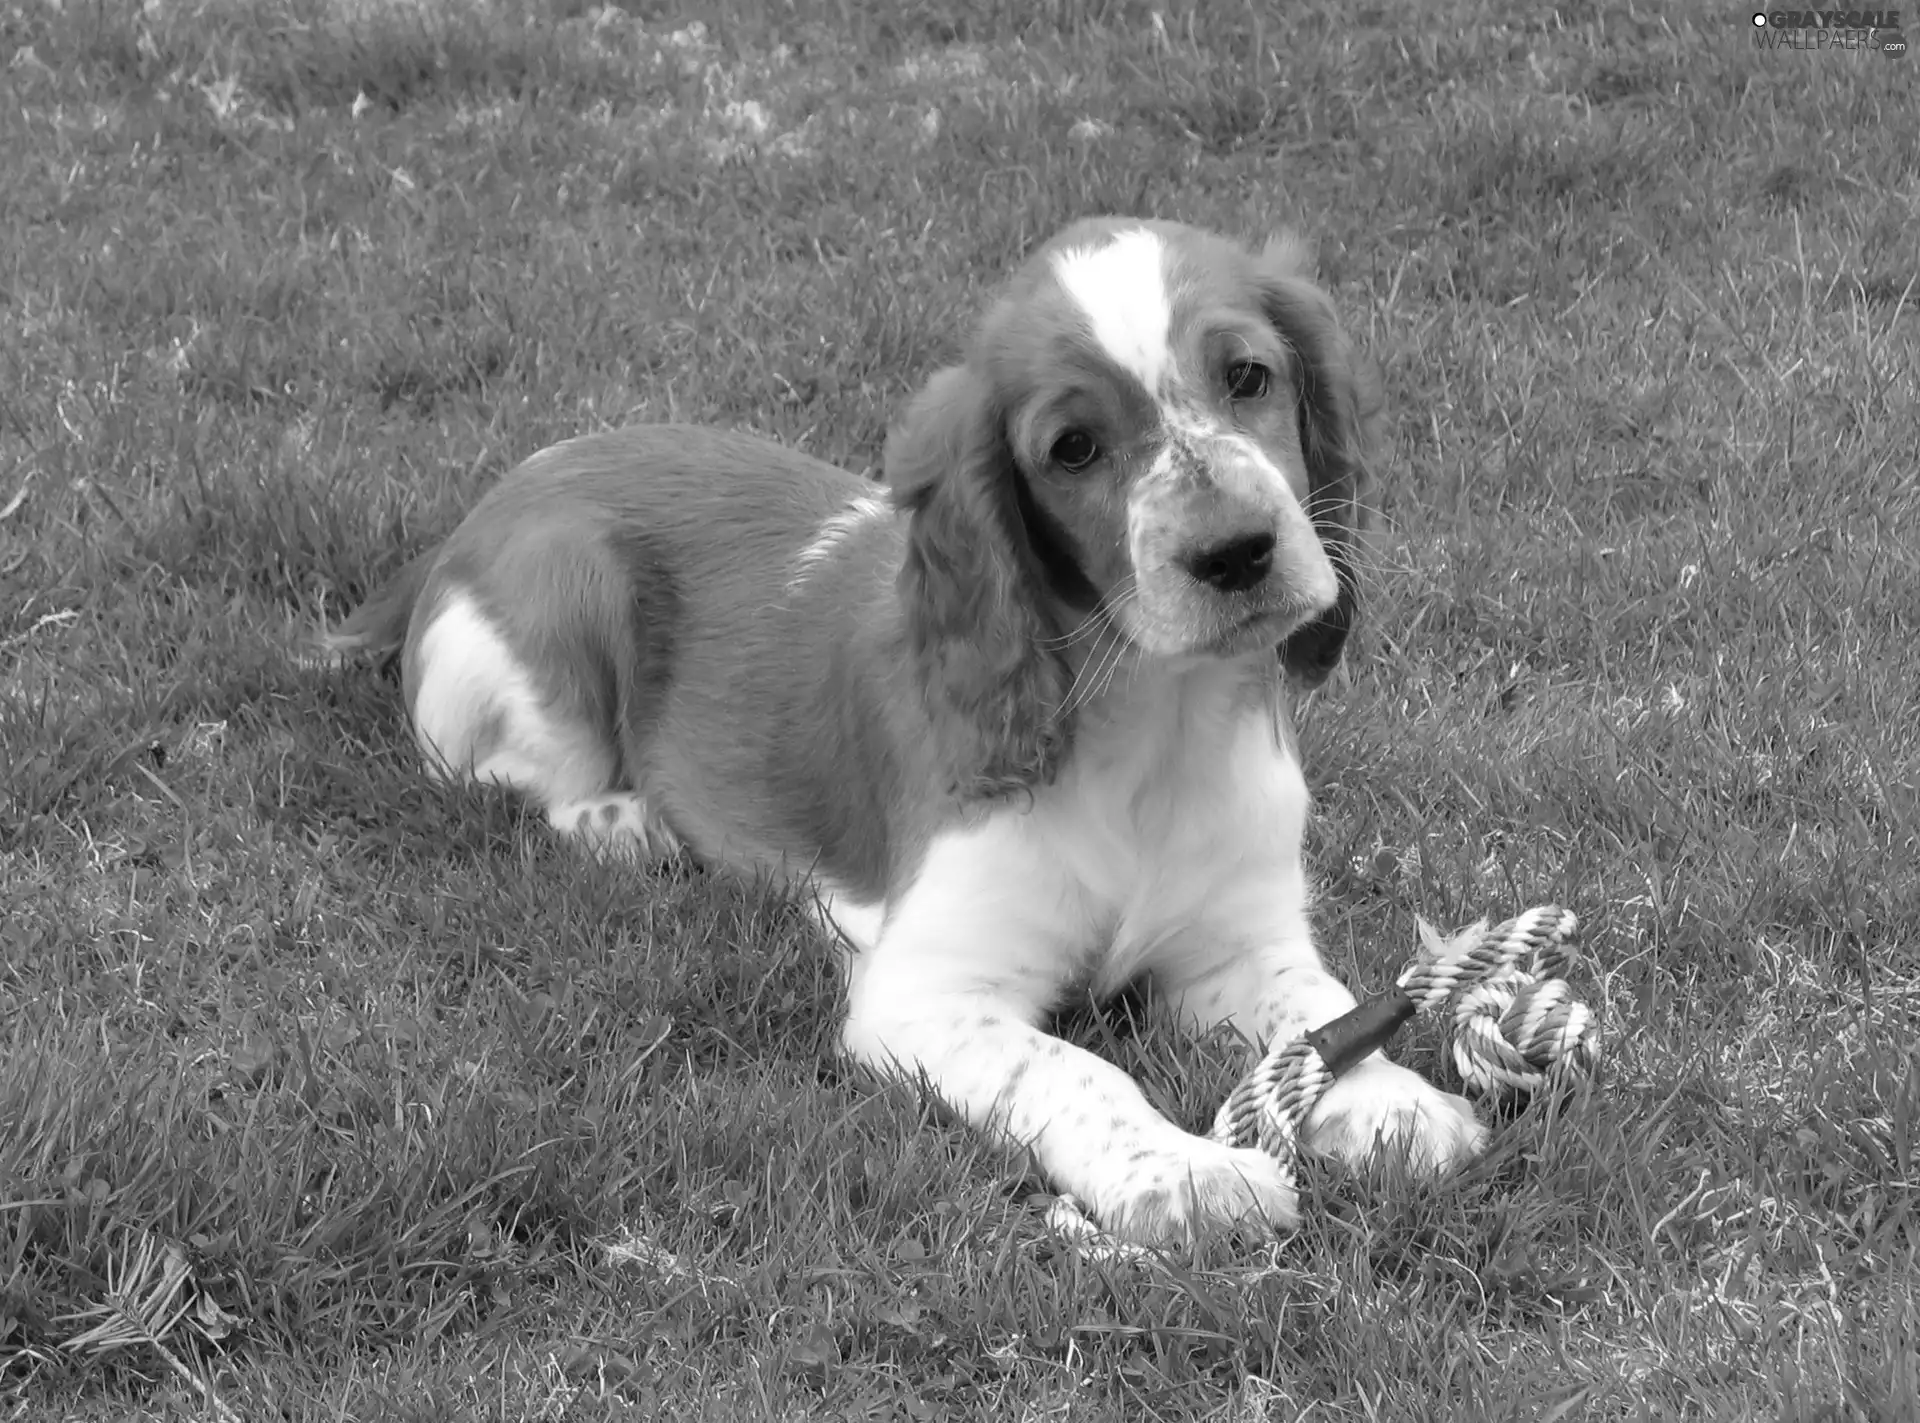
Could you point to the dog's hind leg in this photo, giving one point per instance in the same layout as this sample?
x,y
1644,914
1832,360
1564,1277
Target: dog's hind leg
x,y
480,710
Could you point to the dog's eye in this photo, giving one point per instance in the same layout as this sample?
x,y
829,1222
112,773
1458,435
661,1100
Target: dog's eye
x,y
1075,450
1247,380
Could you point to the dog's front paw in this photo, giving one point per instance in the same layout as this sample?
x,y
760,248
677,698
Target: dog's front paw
x,y
1194,1188
1380,1106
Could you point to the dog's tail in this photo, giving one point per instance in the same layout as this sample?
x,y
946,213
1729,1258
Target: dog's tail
x,y
379,625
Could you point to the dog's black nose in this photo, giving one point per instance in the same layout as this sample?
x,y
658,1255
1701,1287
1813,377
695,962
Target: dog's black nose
x,y
1236,565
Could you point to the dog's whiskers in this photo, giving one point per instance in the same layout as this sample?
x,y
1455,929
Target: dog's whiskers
x,y
1099,617
1096,673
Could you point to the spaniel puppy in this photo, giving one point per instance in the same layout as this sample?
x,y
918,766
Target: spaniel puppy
x,y
1017,723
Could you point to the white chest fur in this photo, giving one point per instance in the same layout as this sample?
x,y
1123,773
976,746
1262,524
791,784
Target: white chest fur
x,y
1184,807
1181,809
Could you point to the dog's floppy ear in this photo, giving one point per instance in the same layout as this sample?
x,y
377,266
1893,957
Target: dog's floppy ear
x,y
1340,407
981,641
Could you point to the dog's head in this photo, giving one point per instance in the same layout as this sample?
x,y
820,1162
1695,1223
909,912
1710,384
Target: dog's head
x,y
1154,427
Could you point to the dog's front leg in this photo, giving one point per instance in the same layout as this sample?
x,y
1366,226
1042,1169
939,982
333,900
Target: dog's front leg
x,y
960,1008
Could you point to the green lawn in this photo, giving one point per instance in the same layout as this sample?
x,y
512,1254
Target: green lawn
x,y
325,1093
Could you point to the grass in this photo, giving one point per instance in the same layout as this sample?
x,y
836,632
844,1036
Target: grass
x,y
325,1093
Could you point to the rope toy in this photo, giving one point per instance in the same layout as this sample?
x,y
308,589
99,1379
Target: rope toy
x,y
1516,1029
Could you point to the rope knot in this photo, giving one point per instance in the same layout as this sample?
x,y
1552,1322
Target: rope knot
x,y
1517,1026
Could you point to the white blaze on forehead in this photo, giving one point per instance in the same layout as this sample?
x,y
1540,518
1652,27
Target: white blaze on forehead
x,y
1122,288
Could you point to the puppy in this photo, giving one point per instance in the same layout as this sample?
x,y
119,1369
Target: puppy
x,y
1017,723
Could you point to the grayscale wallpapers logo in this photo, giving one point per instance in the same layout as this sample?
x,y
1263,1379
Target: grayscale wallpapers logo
x,y
1830,29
